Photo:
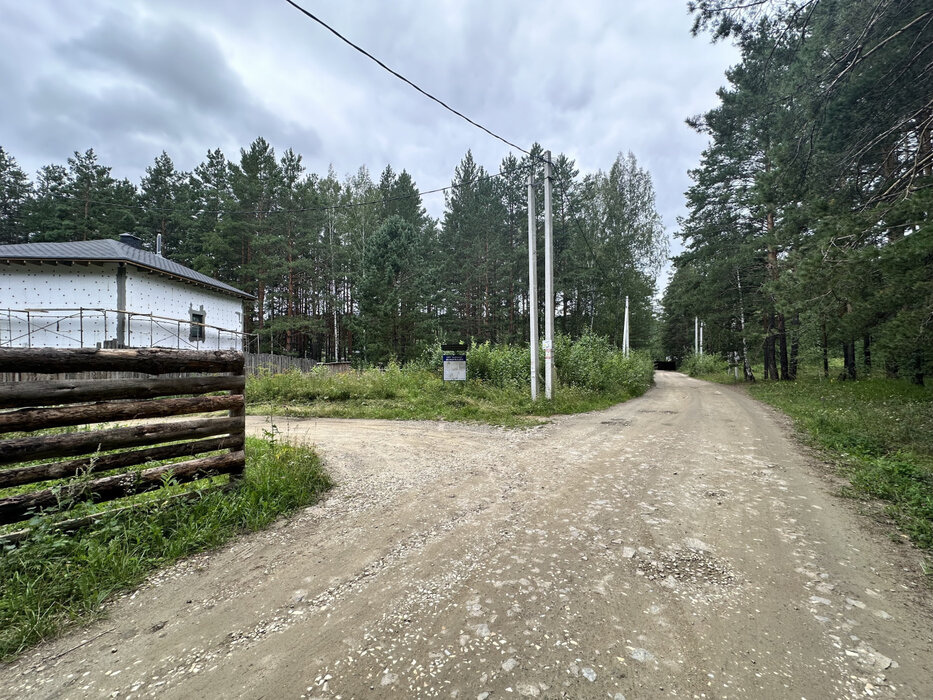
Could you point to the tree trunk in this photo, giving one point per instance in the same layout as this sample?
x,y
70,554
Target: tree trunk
x,y
770,361
794,347
825,350
289,333
746,366
848,355
866,348
768,352
782,346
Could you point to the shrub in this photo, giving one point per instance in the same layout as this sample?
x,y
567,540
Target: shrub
x,y
593,363
704,365
503,366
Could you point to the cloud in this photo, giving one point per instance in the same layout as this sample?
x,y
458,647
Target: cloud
x,y
130,86
589,78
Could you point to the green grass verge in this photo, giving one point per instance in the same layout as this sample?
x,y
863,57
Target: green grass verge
x,y
419,394
52,580
879,432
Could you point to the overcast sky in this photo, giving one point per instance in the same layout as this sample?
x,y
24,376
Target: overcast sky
x,y
129,78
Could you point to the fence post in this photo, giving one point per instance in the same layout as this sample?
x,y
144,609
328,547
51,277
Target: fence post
x,y
240,413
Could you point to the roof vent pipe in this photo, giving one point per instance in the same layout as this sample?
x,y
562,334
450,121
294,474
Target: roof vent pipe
x,y
131,240
159,244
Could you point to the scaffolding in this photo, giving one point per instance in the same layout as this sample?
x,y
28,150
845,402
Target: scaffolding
x,y
83,327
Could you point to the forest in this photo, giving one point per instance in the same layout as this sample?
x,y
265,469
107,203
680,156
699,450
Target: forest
x,y
353,268
808,236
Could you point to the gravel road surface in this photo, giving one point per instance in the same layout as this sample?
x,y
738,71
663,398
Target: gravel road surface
x,y
678,545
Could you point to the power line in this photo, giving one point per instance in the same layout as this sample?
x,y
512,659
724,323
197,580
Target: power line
x,y
403,78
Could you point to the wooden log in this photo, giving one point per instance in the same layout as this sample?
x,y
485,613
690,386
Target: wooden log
x,y
29,419
20,394
108,488
239,413
148,360
76,523
17,476
71,444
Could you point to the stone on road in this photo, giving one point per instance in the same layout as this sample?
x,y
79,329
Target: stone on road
x,y
678,545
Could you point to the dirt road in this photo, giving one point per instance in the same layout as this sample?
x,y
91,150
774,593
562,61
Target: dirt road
x,y
679,545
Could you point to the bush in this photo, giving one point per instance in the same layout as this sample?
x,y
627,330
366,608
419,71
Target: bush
x,y
504,366
593,363
704,365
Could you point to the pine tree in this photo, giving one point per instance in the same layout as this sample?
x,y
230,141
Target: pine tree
x,y
15,195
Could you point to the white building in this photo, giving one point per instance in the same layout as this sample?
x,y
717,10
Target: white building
x,y
110,293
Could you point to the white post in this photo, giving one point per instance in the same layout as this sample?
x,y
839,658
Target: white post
x,y
533,287
701,336
696,335
548,283
334,278
625,331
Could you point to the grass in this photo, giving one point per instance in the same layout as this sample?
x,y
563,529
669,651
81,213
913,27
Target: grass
x,y
421,394
880,434
52,580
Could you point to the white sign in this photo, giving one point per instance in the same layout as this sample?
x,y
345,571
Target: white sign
x,y
455,368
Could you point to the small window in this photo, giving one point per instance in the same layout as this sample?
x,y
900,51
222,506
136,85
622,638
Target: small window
x,y
197,326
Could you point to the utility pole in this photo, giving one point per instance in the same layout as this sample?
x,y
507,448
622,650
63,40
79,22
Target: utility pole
x,y
533,286
702,323
548,283
696,335
625,331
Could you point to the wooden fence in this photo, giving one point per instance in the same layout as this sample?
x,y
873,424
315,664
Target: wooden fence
x,y
255,363
33,405
275,364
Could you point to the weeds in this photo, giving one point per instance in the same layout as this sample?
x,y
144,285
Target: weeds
x,y
51,580
591,375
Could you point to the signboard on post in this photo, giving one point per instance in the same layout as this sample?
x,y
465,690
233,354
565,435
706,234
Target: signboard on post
x,y
455,362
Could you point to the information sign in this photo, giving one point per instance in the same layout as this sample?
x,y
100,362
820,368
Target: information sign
x,y
455,368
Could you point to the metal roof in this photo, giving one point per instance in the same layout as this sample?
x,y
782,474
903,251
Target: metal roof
x,y
109,250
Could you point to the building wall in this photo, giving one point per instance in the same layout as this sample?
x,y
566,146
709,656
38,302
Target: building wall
x,y
156,294
94,289
48,286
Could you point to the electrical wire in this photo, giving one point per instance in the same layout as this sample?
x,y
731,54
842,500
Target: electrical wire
x,y
403,78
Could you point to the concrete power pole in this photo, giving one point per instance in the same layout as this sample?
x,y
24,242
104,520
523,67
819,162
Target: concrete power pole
x,y
548,283
533,286
701,336
696,335
625,347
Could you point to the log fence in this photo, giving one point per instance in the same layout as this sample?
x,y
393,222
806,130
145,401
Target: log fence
x,y
66,403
